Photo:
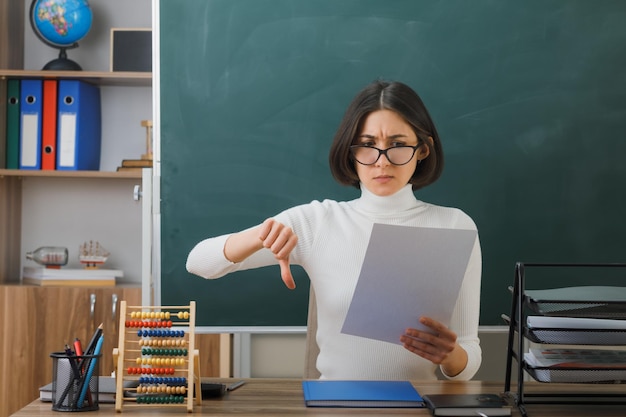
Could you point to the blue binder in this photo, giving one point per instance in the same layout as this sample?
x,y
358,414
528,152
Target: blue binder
x,y
79,126
30,123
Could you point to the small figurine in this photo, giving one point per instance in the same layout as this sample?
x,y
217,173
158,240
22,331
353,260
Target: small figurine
x,y
92,255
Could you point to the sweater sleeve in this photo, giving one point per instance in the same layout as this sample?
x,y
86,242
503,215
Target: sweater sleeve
x,y
465,316
207,259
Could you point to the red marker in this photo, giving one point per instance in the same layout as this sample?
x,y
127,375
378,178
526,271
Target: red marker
x,y
78,347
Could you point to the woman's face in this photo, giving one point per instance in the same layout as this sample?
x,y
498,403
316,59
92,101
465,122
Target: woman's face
x,y
384,129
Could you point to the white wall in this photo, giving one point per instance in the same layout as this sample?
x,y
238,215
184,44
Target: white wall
x,y
277,355
282,355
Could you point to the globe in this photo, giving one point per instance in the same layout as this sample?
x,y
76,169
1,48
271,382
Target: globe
x,y
61,24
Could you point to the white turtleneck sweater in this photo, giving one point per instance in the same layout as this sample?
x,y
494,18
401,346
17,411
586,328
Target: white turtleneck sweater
x,y
332,240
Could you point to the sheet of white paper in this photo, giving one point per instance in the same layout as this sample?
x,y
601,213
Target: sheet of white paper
x,y
407,272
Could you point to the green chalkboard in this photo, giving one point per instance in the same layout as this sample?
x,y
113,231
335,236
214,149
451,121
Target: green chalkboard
x,y
529,98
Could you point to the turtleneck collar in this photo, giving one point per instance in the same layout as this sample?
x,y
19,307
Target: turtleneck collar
x,y
401,201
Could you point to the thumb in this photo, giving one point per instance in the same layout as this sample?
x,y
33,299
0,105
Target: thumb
x,y
285,273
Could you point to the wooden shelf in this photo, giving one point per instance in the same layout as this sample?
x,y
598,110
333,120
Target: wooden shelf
x,y
96,77
69,174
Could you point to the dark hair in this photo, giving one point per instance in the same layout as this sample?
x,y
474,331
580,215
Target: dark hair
x,y
397,97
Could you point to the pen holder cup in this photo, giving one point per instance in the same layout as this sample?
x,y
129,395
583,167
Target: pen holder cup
x,y
75,382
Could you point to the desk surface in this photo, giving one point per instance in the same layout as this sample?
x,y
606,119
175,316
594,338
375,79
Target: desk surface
x,y
283,397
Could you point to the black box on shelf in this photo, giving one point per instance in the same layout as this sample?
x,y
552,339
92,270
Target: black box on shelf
x,y
131,50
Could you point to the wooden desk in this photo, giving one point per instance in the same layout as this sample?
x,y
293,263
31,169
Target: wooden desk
x,y
283,397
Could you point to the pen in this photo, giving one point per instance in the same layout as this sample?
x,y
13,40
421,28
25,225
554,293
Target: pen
x,y
78,348
234,386
92,364
73,361
73,381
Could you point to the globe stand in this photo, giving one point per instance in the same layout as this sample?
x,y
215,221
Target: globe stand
x,y
62,63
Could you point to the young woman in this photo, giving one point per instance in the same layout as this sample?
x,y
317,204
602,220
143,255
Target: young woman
x,y
387,146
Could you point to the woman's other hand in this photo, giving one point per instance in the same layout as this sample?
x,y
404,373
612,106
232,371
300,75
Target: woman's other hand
x,y
437,345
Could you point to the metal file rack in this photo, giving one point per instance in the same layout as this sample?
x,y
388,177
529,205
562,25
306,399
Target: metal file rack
x,y
520,335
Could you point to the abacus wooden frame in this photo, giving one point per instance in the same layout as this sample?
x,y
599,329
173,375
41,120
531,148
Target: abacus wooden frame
x,y
193,363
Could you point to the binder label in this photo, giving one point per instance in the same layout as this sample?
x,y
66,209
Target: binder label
x,y
67,141
30,143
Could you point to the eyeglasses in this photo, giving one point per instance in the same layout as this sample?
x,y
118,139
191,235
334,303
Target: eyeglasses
x,y
397,155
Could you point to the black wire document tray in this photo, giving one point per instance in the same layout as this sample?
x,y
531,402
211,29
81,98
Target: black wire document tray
x,y
575,331
585,301
559,319
577,376
576,365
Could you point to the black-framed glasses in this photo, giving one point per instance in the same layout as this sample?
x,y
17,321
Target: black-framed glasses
x,y
396,155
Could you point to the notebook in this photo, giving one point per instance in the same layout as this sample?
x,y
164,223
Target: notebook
x,y
106,390
467,405
336,393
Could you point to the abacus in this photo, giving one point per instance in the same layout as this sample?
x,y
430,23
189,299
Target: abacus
x,y
157,355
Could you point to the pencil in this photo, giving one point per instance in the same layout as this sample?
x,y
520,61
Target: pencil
x,y
84,387
94,339
234,386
